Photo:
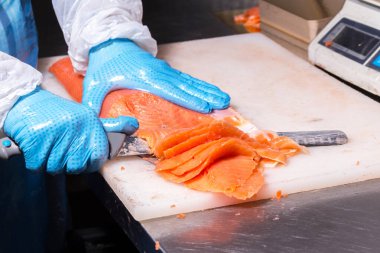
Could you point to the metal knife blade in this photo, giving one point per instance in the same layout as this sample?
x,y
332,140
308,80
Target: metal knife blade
x,y
130,146
135,146
317,138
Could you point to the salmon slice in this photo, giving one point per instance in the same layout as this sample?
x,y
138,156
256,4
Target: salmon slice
x,y
273,155
188,144
187,139
177,138
226,148
251,187
235,176
216,150
204,152
287,146
263,137
179,160
274,147
199,154
168,175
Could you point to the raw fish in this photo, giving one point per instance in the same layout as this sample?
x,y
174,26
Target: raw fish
x,y
205,152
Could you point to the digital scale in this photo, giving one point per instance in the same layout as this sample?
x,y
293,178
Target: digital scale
x,y
349,45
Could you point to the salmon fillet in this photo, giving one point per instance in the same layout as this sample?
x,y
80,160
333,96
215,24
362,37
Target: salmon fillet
x,y
151,111
203,152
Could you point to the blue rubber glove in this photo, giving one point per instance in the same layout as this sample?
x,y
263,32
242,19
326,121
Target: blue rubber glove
x,y
120,63
61,134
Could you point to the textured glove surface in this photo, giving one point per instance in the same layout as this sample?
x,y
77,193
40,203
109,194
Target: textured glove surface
x,y
57,133
120,63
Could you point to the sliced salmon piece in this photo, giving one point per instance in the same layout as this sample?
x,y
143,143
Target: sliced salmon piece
x,y
287,146
235,176
275,149
238,169
168,175
188,144
224,147
172,163
263,137
177,138
199,154
251,187
273,155
187,139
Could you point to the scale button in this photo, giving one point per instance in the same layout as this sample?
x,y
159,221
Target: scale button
x,y
376,61
7,143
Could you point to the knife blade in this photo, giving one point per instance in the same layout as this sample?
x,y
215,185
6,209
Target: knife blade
x,y
136,146
122,145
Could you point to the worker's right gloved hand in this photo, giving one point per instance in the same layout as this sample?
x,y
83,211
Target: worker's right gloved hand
x,y
61,134
121,64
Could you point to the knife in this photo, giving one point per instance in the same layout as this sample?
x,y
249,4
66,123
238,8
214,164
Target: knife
x,y
123,145
119,143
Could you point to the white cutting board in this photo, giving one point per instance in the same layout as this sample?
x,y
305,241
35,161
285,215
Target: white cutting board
x,y
276,90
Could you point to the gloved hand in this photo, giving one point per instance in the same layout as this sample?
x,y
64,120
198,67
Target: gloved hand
x,y
120,63
57,133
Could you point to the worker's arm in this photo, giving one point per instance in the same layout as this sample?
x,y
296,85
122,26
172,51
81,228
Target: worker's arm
x,y
16,79
107,40
87,23
52,132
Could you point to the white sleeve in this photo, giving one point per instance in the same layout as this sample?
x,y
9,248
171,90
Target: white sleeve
x,y
87,23
16,79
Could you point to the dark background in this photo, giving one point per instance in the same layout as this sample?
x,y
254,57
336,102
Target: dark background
x,y
168,21
92,228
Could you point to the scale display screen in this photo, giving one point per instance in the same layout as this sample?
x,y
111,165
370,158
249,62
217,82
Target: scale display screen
x,y
357,41
353,40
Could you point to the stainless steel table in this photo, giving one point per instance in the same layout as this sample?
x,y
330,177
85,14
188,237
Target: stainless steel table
x,y
337,219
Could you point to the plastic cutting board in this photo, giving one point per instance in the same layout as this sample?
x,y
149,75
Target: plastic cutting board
x,y
275,90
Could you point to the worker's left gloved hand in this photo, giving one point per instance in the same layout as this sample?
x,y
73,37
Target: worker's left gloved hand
x,y
60,135
120,63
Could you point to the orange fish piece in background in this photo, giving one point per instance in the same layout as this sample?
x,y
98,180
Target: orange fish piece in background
x,y
250,19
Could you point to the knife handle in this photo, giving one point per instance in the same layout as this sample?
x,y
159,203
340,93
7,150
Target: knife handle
x,y
317,138
9,148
